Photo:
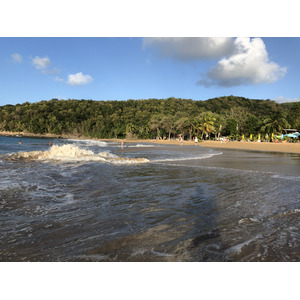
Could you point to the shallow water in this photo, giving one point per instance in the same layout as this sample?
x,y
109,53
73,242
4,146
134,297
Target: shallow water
x,y
93,201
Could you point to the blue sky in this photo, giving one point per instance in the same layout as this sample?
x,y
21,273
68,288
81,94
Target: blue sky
x,y
120,68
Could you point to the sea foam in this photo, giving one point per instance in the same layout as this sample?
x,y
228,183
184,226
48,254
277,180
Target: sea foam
x,y
74,153
203,156
89,142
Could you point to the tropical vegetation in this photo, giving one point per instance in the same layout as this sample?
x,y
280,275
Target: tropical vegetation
x,y
231,116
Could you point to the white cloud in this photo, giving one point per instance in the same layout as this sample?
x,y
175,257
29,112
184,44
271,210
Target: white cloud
x,y
17,58
45,66
187,48
41,62
249,64
282,99
79,79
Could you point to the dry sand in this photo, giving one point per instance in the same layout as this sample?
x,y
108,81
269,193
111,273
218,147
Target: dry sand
x,y
273,147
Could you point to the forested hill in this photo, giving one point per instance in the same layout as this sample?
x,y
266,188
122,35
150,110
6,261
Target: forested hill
x,y
232,116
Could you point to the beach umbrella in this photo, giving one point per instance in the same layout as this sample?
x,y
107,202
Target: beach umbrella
x,y
243,137
259,136
251,136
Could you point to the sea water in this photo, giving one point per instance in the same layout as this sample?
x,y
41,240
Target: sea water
x,y
87,200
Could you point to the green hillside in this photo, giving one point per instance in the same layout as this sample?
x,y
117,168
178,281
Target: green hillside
x,y
231,116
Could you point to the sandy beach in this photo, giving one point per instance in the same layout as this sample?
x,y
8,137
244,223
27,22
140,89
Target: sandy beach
x,y
254,146
273,147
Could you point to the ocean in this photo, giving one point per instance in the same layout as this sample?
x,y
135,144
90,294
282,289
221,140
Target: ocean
x,y
93,201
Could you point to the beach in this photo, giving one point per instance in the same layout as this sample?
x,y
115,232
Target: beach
x,y
282,147
92,200
254,146
263,146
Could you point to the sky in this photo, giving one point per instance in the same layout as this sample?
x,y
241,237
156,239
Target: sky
x,y
121,68
124,50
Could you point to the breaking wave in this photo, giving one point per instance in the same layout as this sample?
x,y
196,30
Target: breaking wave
x,y
89,142
74,153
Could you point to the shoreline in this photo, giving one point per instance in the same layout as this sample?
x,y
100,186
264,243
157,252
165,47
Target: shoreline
x,y
282,147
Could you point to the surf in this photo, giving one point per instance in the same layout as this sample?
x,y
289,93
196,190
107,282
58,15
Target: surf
x,y
67,153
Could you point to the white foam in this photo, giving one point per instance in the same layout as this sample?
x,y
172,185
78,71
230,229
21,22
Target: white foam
x,y
187,158
126,161
238,248
137,252
248,220
107,154
164,254
89,142
141,146
285,176
73,153
68,151
7,184
68,199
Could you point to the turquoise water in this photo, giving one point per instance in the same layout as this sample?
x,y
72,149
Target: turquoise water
x,y
94,201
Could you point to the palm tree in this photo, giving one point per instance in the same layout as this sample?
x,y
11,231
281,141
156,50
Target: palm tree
x,y
206,125
275,123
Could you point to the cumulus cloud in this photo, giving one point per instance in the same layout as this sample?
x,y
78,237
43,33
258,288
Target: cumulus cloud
x,y
17,58
41,62
249,64
79,79
282,99
189,48
45,66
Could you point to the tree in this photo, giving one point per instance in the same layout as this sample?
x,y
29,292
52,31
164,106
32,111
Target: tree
x,y
183,125
146,117
207,123
252,125
130,131
204,124
155,123
275,123
232,128
168,123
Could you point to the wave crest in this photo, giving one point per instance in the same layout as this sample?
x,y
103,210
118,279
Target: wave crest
x,y
74,153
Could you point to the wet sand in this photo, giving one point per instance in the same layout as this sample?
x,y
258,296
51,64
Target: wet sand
x,y
257,161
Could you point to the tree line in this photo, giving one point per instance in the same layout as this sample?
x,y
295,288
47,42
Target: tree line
x,y
150,118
